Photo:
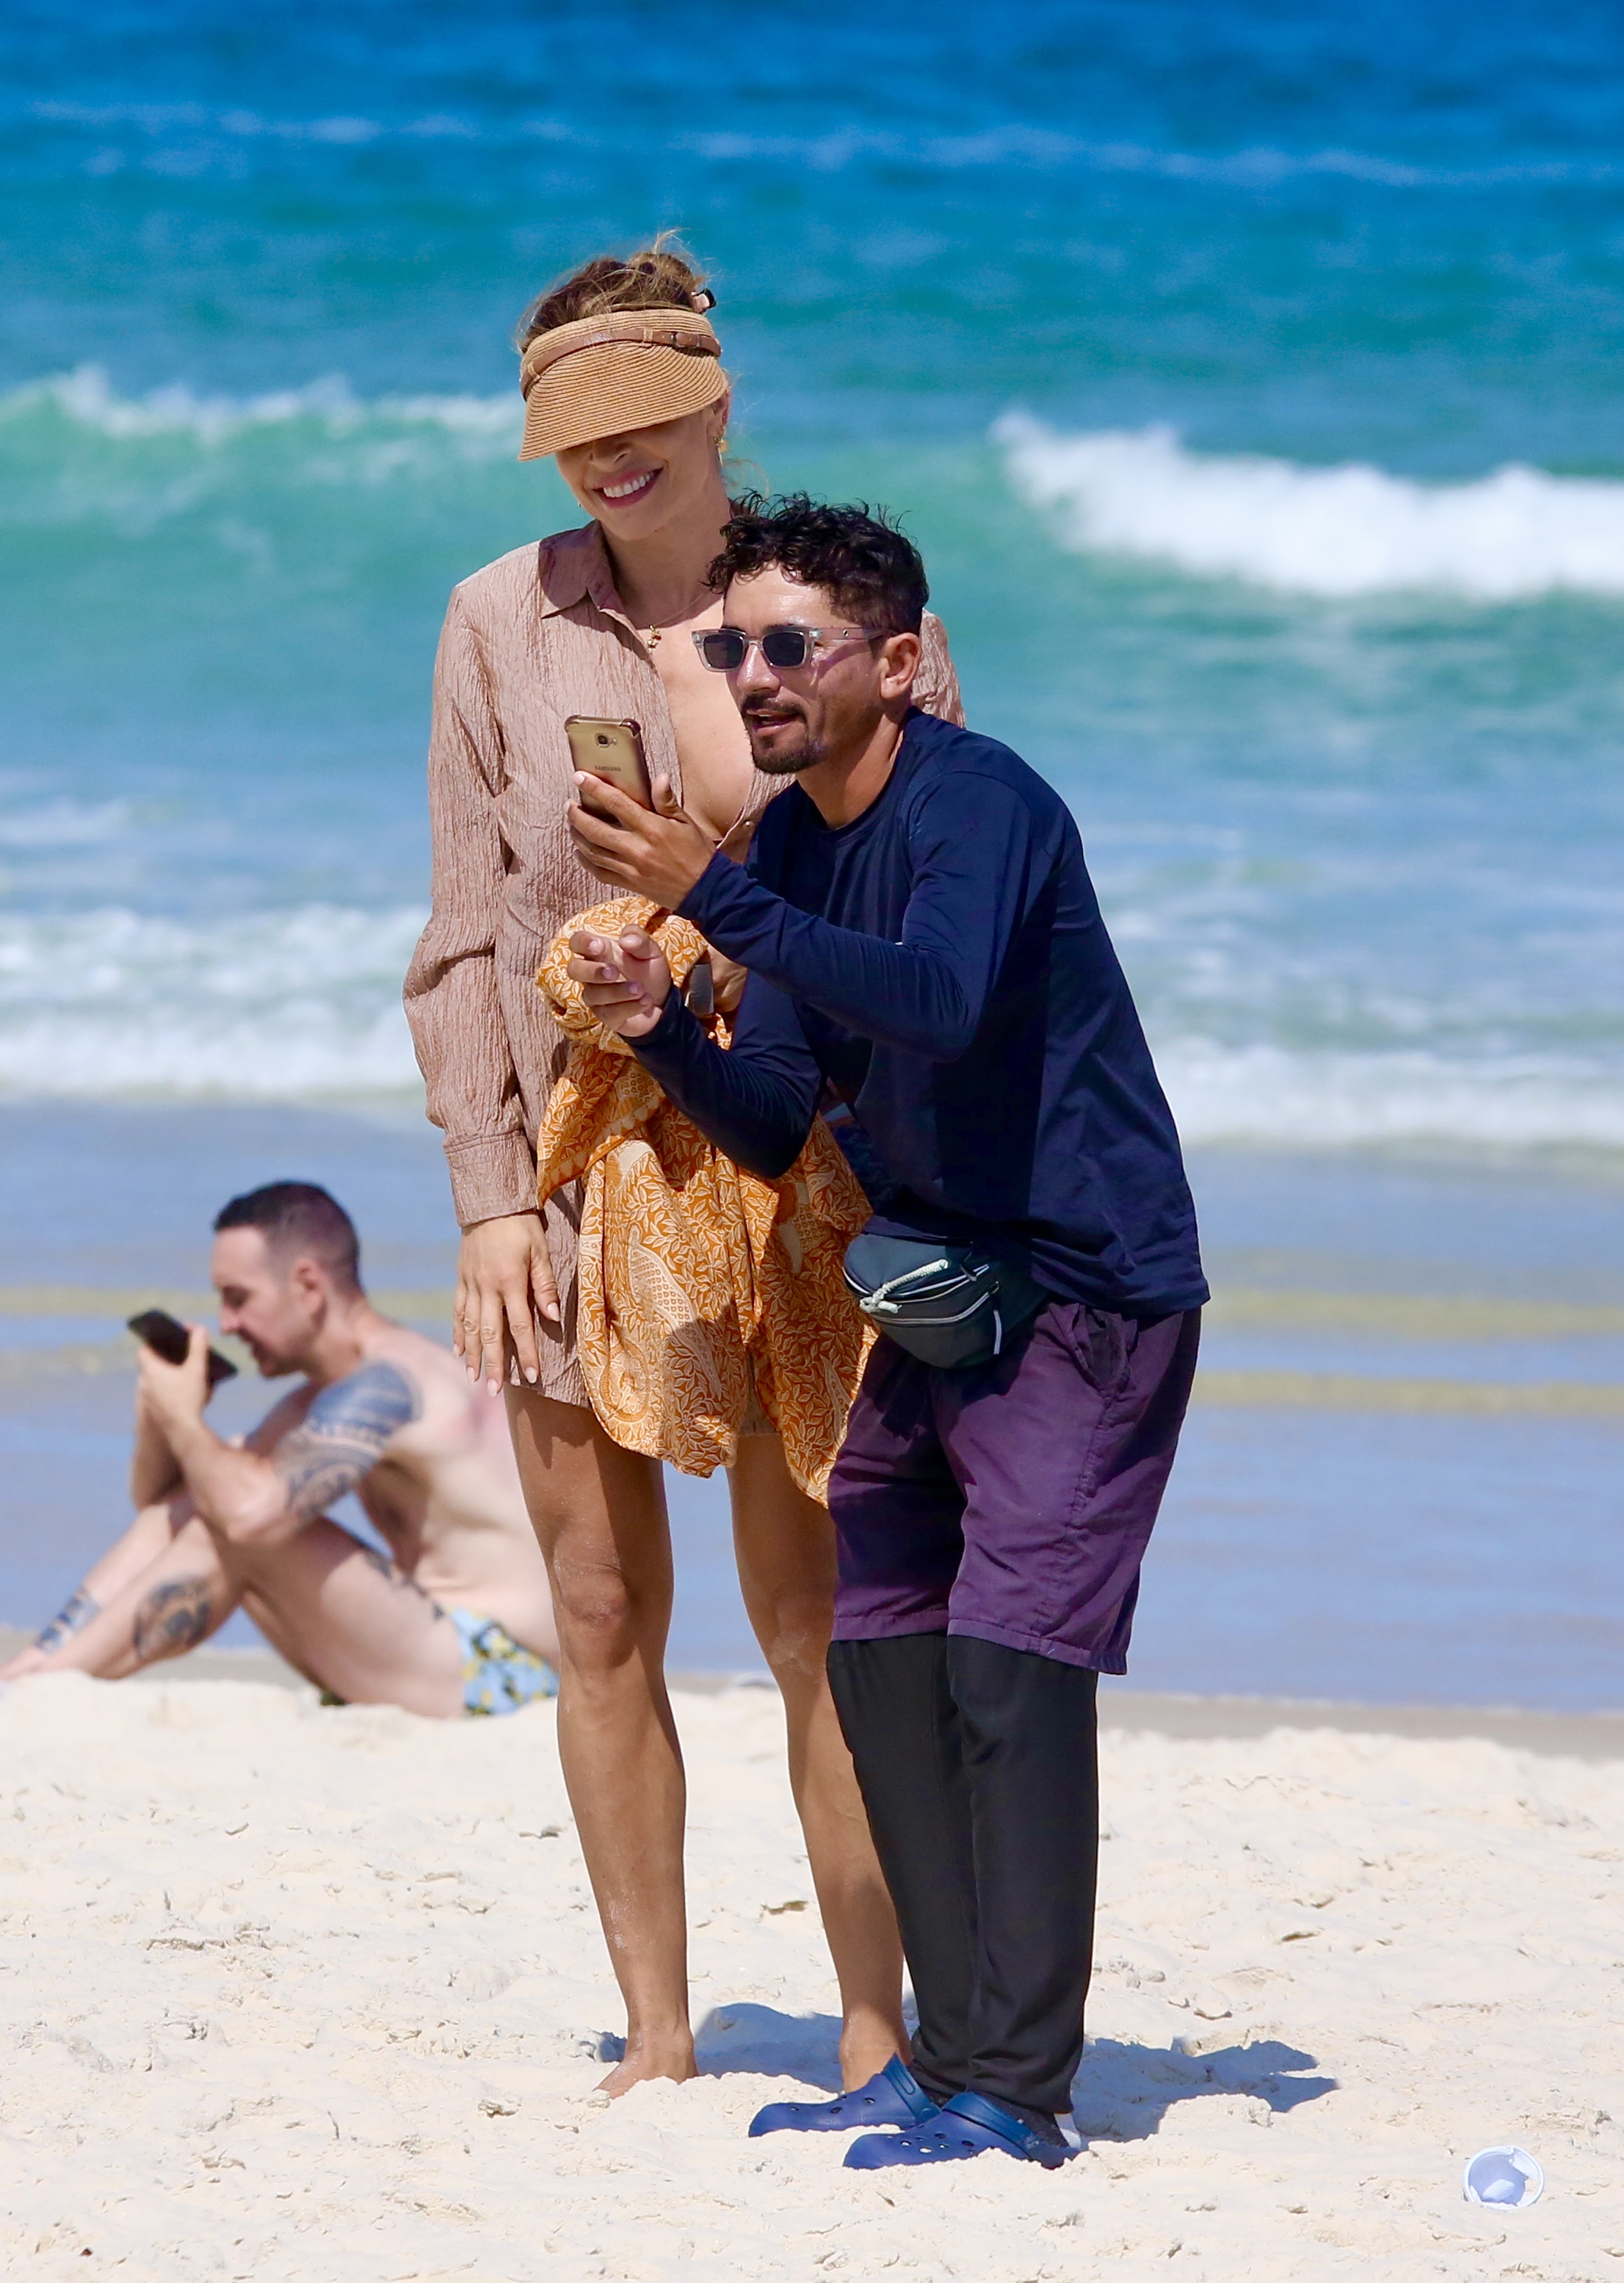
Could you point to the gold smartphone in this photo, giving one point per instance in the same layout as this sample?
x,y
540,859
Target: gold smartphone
x,y
613,751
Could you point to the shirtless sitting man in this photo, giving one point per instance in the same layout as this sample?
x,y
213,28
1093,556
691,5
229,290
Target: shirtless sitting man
x,y
460,1621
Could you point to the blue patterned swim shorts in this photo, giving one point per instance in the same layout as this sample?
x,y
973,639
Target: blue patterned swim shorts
x,y
498,1675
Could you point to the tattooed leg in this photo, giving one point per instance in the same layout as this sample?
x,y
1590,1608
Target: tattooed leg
x,y
142,1620
349,1619
173,1617
395,1576
75,1613
126,1562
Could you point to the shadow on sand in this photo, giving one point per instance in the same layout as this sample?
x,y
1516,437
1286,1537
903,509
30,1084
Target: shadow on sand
x,y
1122,2091
762,2042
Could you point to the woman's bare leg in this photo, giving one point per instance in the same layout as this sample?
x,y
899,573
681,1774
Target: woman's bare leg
x,y
599,1513
784,1543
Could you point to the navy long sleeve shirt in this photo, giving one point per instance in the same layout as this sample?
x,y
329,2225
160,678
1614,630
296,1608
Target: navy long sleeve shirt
x,y
942,961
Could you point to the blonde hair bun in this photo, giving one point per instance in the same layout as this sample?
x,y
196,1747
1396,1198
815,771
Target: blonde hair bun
x,y
659,277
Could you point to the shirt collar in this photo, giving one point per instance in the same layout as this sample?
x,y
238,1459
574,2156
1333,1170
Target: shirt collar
x,y
575,568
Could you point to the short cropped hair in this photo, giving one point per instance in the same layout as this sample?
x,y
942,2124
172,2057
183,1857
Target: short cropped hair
x,y
868,568
298,1218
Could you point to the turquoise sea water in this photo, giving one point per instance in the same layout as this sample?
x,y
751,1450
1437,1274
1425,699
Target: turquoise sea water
x,y
1096,295
1247,373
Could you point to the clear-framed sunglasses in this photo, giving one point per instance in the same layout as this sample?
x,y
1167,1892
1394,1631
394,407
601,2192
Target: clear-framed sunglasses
x,y
725,649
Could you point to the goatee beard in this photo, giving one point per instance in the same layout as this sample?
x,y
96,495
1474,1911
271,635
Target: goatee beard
x,y
786,765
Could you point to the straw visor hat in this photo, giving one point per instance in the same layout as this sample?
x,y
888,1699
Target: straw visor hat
x,y
627,369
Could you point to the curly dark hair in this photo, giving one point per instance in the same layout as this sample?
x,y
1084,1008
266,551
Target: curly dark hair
x,y
869,569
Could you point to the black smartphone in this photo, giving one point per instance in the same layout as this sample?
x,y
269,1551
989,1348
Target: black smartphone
x,y
168,1337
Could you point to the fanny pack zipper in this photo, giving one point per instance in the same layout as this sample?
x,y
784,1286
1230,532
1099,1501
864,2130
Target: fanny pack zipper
x,y
879,1303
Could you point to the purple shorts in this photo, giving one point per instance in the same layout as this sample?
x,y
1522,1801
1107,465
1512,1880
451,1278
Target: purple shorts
x,y
1013,1502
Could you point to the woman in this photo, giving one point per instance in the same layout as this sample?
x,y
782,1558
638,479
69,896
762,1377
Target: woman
x,y
624,387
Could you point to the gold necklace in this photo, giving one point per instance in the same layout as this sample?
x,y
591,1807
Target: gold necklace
x,y
651,639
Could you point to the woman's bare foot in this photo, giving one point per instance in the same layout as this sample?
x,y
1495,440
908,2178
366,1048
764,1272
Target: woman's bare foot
x,y
667,2057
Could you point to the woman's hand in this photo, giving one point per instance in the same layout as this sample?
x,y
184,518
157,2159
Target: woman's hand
x,y
626,983
504,1281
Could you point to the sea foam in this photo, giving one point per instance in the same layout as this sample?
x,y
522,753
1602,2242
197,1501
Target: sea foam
x,y
305,1004
1343,531
298,1003
1275,1097
87,399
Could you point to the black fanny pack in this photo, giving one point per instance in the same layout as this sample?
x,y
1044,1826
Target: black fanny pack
x,y
952,1305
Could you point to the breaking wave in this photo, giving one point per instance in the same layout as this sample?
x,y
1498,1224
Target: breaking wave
x,y
280,1003
1334,531
1274,1097
306,1003
86,396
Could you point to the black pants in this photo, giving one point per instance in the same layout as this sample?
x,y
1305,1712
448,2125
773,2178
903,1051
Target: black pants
x,y
979,1771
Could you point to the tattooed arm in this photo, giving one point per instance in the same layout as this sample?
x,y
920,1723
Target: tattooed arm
x,y
343,1435
266,1496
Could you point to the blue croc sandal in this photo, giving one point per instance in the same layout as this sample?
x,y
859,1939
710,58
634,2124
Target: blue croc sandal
x,y
968,2126
891,2097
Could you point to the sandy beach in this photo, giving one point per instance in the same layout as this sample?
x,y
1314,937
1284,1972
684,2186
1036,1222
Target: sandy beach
x,y
315,1994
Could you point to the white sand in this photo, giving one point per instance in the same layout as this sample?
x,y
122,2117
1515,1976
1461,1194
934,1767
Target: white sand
x,y
293,1993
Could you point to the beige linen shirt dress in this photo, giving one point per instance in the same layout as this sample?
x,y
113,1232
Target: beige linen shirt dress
x,y
535,637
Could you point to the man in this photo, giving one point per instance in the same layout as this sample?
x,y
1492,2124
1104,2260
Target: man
x,y
922,936
459,1621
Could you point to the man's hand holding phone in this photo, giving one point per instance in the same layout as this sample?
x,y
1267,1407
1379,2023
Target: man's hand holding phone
x,y
659,852
174,1396
625,982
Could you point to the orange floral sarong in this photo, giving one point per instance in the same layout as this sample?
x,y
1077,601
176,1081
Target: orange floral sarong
x,y
696,1280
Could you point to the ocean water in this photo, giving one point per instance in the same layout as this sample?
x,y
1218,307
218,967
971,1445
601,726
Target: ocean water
x,y
1247,372
1438,1555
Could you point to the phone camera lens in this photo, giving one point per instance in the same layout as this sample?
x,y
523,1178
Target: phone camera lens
x,y
603,740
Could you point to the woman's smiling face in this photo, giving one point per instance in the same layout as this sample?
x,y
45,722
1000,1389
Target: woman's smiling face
x,y
641,482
